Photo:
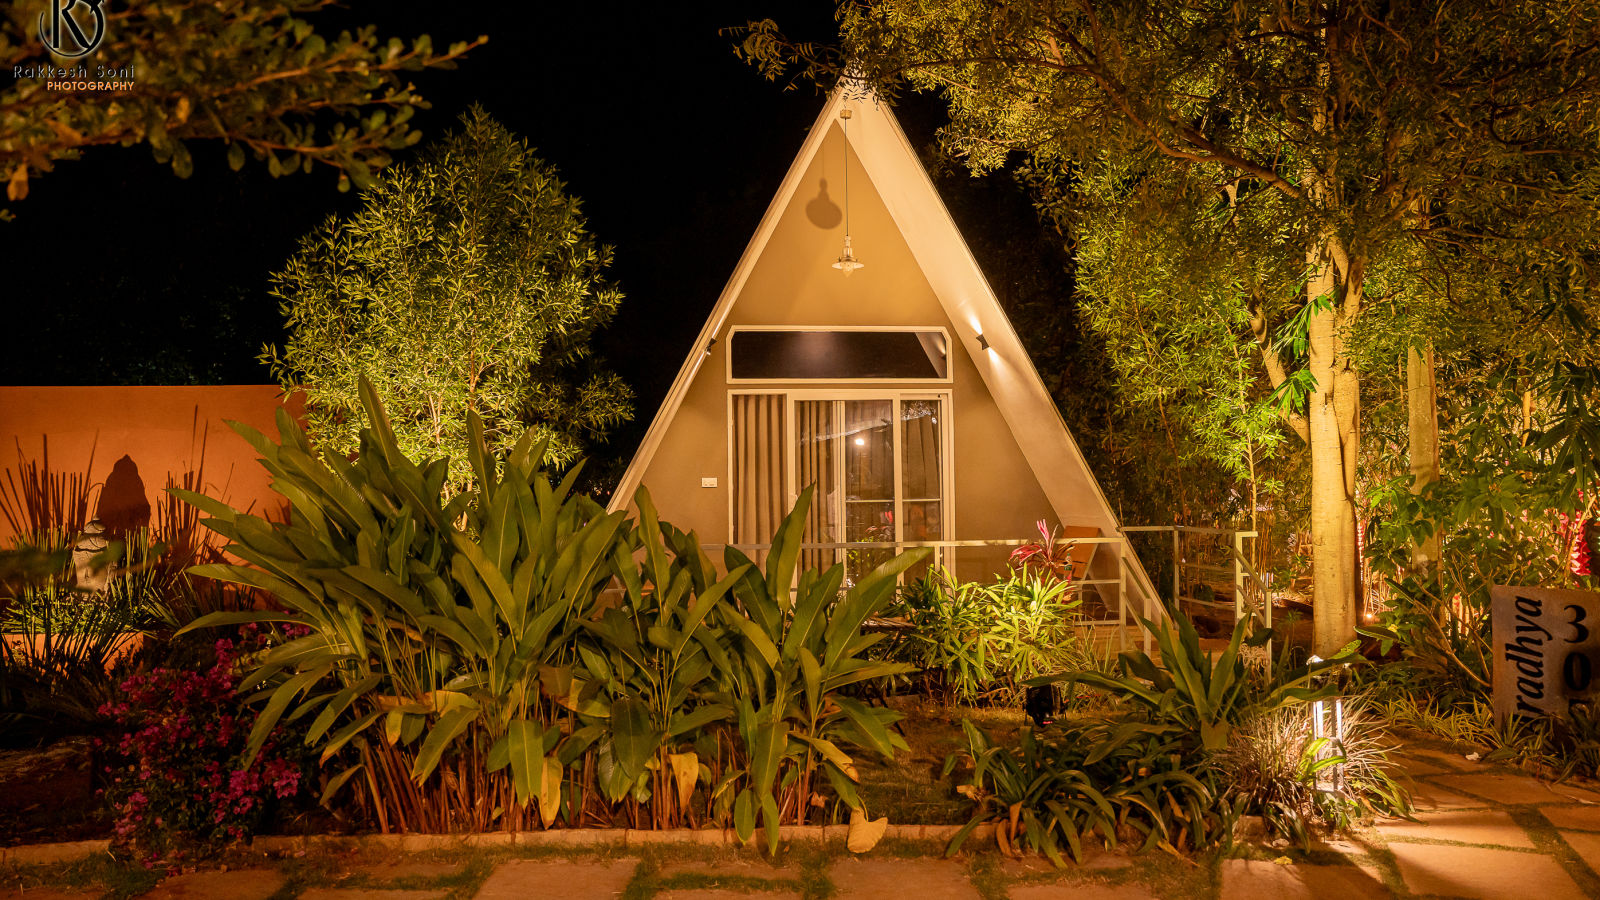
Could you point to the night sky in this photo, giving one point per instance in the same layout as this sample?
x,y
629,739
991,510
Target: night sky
x,y
118,272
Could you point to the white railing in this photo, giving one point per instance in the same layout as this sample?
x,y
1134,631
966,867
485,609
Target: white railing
x,y
1123,620
1244,575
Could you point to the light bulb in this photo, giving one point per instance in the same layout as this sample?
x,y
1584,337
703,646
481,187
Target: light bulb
x,y
847,261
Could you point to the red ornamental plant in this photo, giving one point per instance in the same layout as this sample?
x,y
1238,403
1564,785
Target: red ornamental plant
x,y
176,781
1045,556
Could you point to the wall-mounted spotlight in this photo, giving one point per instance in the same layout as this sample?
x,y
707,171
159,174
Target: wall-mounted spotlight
x,y
982,343
710,345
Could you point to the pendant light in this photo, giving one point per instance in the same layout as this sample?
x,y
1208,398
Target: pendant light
x,y
847,261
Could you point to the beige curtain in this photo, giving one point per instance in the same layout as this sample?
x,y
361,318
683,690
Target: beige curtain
x,y
815,437
758,467
920,465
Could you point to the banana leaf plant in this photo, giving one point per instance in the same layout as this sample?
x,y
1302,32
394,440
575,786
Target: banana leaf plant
x,y
429,616
653,669
801,643
475,658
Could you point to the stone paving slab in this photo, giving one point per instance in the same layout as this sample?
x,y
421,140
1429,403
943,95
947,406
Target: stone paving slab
x,y
720,894
1515,790
1582,818
1586,845
372,894
1455,762
1489,826
1481,872
725,894
922,879
238,884
44,893
1428,797
1414,765
1079,890
521,879
1255,878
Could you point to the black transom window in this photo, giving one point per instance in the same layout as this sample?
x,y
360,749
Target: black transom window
x,y
812,355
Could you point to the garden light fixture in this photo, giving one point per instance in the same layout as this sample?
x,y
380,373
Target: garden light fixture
x,y
1327,724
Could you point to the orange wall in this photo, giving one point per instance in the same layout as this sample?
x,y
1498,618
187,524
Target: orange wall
x,y
161,429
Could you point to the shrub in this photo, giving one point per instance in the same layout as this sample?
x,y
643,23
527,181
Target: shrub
x,y
178,778
1064,784
1276,768
74,639
980,642
1512,506
1189,745
467,664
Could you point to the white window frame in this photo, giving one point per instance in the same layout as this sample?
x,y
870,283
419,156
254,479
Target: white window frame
x,y
897,396
949,355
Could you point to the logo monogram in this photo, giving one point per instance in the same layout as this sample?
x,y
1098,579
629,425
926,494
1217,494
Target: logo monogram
x,y
61,18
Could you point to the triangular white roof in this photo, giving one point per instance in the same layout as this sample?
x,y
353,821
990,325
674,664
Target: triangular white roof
x,y
890,162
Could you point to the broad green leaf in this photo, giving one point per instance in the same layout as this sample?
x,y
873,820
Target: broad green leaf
x,y
525,747
337,782
444,731
636,741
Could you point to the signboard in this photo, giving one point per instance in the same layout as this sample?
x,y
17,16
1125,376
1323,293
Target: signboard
x,y
1546,645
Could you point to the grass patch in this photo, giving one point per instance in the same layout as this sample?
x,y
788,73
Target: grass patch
x,y
116,878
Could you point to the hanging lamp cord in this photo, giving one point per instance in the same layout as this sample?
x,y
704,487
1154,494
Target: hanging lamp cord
x,y
844,128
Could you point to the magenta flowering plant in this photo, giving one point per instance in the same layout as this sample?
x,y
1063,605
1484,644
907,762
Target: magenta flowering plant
x,y
176,777
1047,556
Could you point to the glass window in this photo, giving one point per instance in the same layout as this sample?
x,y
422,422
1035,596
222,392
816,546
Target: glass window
x,y
878,468
839,355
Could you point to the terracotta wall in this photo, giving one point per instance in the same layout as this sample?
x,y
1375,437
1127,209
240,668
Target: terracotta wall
x,y
145,434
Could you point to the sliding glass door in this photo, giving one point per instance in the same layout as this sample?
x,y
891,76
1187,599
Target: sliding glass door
x,y
878,464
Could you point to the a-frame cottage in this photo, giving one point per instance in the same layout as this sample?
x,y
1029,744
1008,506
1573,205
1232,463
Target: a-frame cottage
x,y
900,389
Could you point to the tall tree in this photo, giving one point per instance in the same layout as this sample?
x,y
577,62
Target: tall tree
x,y
254,74
467,283
1355,125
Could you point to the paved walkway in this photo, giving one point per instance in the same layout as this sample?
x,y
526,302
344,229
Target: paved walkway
x,y
1484,831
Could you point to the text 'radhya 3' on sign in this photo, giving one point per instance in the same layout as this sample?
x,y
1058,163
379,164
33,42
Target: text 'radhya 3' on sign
x,y
1546,648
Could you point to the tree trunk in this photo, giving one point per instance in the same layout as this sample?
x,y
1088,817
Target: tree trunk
x,y
1333,417
1422,404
